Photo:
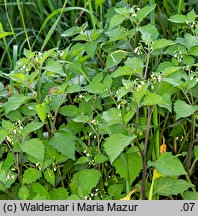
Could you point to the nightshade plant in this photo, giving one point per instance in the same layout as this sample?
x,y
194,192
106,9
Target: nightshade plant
x,y
113,112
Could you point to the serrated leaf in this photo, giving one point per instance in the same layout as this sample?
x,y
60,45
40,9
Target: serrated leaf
x,y
115,144
58,194
115,58
54,67
136,65
3,134
112,116
64,143
74,88
128,166
183,109
149,32
82,160
178,18
50,176
196,151
8,162
38,192
116,20
31,175
41,111
34,147
167,186
162,43
191,16
143,13
161,100
190,195
69,110
168,165
14,102
32,126
115,190
100,158
23,193
84,181
123,71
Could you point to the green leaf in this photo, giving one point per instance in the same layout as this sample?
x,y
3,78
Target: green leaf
x,y
34,147
143,13
100,158
71,31
54,67
112,116
7,125
28,54
139,93
168,165
196,151
31,175
191,16
32,126
162,100
82,118
82,160
115,190
58,194
123,71
116,34
178,18
41,111
14,102
84,181
8,162
167,186
193,51
38,192
69,110
23,193
74,88
162,43
190,195
128,166
136,64
183,109
115,144
3,134
50,176
115,58
116,20
4,34
64,143
149,32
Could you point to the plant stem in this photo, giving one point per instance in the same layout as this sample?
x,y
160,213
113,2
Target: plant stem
x,y
190,148
23,22
157,133
145,152
91,14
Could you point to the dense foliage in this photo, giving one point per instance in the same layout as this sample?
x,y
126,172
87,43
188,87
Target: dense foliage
x,y
98,100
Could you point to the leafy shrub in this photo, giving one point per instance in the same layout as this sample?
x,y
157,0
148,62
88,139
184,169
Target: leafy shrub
x,y
113,111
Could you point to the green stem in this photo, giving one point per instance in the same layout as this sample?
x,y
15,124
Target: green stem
x,y
91,14
23,22
157,133
144,171
190,148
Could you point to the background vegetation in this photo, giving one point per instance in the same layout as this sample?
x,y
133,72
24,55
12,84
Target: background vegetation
x,y
98,99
